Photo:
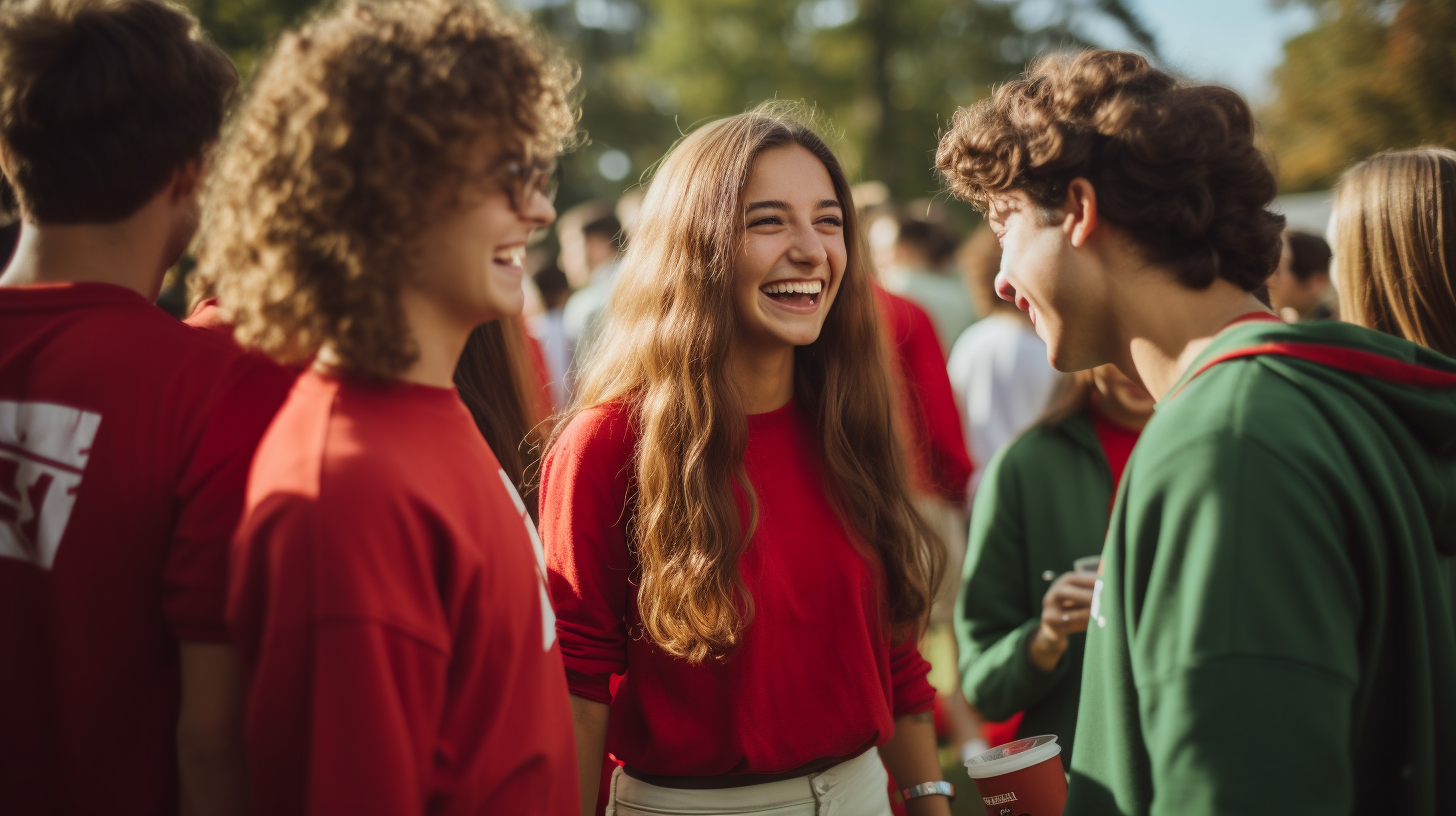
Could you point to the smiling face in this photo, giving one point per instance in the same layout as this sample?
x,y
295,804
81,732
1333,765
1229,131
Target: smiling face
x,y
469,262
793,254
1063,290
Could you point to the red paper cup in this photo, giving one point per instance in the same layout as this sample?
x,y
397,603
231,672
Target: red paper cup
x,y
1021,778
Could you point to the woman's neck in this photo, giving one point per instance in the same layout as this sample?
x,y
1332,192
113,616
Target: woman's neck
x,y
1117,413
765,377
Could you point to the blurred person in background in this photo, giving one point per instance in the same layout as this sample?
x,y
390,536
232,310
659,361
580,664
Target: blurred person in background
x,y
998,367
1394,230
923,250
549,328
1281,551
125,436
1300,286
591,248
388,595
727,511
930,429
1044,503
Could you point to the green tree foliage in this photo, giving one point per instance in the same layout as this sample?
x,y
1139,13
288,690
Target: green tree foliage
x,y
1372,75
887,73
244,28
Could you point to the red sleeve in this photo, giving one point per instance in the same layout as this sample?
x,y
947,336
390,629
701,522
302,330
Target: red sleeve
x,y
342,710
584,486
541,376
944,462
908,672
210,499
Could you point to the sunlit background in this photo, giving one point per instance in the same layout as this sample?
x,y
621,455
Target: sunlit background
x,y
1333,80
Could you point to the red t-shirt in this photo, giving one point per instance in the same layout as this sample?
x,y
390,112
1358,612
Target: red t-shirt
x,y
816,675
206,315
125,439
942,463
389,605
1117,443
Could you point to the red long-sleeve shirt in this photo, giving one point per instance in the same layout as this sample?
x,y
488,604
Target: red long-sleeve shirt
x,y
816,676
389,605
942,464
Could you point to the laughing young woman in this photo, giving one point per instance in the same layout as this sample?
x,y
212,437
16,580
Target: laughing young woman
x,y
726,516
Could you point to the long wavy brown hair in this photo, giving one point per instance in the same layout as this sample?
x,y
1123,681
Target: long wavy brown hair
x,y
1395,253
665,351
496,382
353,135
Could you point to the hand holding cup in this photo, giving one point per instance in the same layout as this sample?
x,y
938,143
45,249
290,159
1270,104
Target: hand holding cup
x,y
1065,609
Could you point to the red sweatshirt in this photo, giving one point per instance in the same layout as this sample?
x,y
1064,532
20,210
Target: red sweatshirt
x,y
125,439
816,675
390,609
942,463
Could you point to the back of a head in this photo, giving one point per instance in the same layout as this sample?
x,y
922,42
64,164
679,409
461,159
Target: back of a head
x,y
930,239
1395,245
1309,254
101,101
605,228
1173,164
980,260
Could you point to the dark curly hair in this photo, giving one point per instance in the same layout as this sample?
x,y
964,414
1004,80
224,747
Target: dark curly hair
x,y
351,132
1173,163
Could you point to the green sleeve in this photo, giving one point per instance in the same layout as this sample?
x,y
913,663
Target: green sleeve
x,y
995,615
1244,608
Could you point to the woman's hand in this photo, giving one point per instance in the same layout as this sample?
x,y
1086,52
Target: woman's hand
x,y
1064,609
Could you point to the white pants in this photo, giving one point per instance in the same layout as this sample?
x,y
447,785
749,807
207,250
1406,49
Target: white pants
x,y
857,787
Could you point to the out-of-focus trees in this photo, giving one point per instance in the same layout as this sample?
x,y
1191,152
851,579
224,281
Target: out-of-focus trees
x,y
1372,75
887,74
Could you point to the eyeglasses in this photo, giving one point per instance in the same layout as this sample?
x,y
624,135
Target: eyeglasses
x,y
525,180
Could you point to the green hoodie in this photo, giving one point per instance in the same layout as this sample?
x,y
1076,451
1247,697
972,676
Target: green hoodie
x,y
1275,631
1041,505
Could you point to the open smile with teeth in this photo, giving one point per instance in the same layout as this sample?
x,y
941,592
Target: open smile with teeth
x,y
794,293
515,256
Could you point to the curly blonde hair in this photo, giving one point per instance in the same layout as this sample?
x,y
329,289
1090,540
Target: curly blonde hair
x,y
351,132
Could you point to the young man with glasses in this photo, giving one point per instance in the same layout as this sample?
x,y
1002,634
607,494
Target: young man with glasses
x,y
388,595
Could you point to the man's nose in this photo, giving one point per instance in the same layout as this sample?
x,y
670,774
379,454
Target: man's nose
x,y
1004,289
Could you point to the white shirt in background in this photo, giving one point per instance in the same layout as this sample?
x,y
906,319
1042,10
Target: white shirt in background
x,y
1001,380
549,330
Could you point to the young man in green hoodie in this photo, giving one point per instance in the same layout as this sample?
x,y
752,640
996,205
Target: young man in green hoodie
x,y
1274,628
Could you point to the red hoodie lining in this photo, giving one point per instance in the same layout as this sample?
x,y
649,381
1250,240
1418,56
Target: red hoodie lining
x,y
1354,361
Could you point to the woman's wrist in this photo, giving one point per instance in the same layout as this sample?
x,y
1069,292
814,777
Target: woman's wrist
x,y
1045,649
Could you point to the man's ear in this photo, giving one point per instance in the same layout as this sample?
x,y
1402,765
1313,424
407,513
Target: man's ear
x,y
1081,211
186,180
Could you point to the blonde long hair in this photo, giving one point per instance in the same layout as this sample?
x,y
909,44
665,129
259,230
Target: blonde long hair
x,y
665,352
1395,245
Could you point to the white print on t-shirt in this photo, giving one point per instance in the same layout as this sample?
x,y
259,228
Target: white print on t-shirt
x,y
1097,605
548,615
43,452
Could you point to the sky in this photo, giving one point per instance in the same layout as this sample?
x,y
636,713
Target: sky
x,y
1234,42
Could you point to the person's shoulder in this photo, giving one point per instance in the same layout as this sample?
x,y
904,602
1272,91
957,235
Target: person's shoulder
x,y
1042,442
599,436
